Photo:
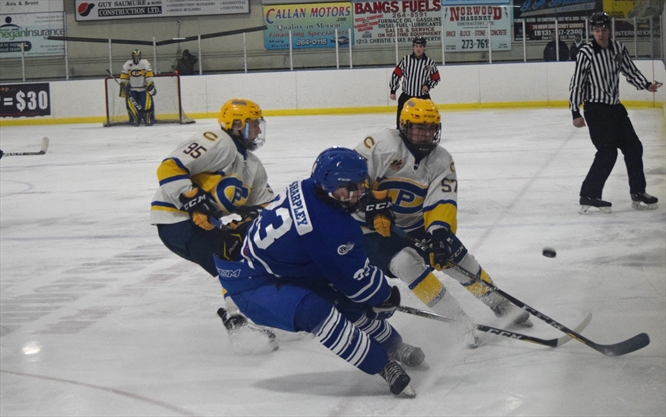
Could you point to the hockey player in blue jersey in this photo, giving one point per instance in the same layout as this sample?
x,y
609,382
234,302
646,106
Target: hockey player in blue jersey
x,y
304,267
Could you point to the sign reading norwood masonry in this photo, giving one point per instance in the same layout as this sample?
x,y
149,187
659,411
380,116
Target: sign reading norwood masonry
x,y
25,100
88,10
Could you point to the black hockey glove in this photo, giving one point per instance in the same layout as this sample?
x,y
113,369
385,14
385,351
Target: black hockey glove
x,y
150,88
231,241
200,205
386,309
378,214
124,90
446,248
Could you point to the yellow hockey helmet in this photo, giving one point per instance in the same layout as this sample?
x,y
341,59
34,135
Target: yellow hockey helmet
x,y
243,120
136,56
420,126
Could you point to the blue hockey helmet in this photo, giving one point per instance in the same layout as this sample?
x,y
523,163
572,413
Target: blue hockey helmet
x,y
341,168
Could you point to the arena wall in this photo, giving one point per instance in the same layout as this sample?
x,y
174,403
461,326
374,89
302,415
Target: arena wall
x,y
463,87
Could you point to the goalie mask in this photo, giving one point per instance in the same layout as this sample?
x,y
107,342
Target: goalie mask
x,y
243,120
341,175
420,126
136,56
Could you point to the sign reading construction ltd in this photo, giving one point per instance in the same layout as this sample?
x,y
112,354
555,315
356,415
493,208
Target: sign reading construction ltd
x,y
87,10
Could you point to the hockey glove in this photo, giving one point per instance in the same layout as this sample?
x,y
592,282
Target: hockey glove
x,y
150,88
231,241
378,214
385,310
446,248
200,205
124,90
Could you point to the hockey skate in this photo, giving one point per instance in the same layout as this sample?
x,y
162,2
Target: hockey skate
x,y
586,203
397,379
643,201
245,337
409,355
505,310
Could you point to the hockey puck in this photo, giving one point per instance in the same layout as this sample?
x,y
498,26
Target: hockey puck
x,y
549,252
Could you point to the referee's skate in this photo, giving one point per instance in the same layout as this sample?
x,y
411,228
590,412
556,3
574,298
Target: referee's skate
x,y
586,203
643,201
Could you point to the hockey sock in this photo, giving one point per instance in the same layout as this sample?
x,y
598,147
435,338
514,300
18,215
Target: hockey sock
x,y
380,330
339,335
411,269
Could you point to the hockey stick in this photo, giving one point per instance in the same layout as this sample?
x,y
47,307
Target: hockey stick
x,y
500,332
622,348
129,96
45,147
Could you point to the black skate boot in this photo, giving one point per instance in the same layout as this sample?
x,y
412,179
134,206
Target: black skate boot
x,y
246,337
587,202
397,379
643,201
409,355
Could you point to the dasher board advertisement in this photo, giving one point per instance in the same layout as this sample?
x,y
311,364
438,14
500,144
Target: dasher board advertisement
x,y
89,10
312,25
25,100
31,30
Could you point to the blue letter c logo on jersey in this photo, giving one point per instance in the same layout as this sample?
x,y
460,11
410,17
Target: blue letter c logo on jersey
x,y
232,193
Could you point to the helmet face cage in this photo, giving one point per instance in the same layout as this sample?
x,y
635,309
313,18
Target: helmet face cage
x,y
600,19
420,126
341,168
136,56
252,124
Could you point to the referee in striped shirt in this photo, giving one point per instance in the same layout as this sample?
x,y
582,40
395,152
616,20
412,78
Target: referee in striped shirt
x,y
419,74
596,83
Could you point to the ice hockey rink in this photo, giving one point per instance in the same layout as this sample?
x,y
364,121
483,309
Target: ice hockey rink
x,y
100,319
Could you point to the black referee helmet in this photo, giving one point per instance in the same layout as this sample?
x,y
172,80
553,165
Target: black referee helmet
x,y
600,19
419,40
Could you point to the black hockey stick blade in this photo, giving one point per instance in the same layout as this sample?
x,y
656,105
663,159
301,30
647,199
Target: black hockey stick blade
x,y
622,348
500,332
45,147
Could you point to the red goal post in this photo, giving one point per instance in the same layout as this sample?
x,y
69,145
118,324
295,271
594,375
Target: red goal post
x,y
167,101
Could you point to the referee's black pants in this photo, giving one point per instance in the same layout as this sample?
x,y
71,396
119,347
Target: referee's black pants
x,y
610,130
401,103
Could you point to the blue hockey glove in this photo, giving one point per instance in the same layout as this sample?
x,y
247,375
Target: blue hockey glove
x,y
386,309
378,214
446,248
200,205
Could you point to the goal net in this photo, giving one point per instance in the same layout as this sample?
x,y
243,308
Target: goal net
x,y
168,107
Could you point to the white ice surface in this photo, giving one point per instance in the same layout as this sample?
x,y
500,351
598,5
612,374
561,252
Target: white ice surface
x,y
100,319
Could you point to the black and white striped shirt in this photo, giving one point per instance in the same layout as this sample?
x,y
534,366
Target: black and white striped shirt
x,y
596,78
415,72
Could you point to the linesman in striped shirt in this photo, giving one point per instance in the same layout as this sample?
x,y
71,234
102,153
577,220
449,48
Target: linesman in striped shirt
x,y
419,75
596,84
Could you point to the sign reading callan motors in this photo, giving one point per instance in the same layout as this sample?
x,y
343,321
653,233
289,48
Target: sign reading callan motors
x,y
25,100
87,10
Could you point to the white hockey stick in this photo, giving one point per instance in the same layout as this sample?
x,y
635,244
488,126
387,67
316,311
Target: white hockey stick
x,y
129,97
45,147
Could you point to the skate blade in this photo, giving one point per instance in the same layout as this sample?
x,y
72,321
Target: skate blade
x,y
637,205
408,392
586,209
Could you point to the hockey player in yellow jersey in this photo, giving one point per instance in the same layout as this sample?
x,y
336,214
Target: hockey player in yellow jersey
x,y
138,88
215,174
409,168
